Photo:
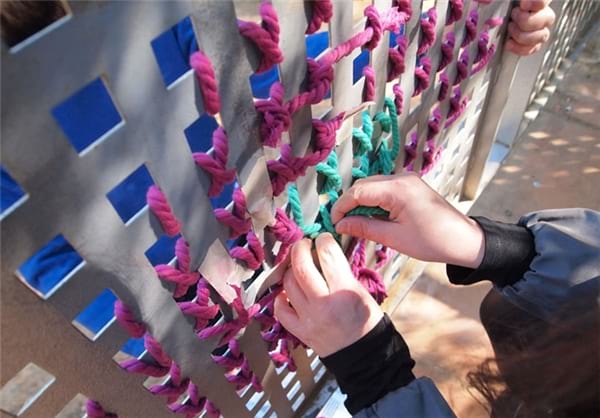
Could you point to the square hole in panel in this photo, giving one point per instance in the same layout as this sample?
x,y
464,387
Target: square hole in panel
x,y
129,197
273,415
319,374
253,401
298,402
133,348
11,194
50,267
293,391
316,43
35,19
75,408
97,316
285,382
264,410
261,83
88,115
199,134
359,63
162,251
315,363
20,392
172,50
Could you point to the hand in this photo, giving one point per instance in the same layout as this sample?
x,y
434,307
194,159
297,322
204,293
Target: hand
x,y
530,26
421,223
327,311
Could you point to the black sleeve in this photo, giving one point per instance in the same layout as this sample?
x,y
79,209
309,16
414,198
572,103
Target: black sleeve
x,y
509,250
376,364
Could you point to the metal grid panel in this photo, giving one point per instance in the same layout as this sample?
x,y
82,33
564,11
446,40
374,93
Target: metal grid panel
x,y
67,190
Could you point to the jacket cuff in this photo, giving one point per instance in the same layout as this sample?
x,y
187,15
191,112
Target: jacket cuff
x,y
509,250
376,364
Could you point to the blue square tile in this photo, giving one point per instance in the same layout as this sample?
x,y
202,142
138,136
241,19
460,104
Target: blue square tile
x,y
10,192
129,196
97,315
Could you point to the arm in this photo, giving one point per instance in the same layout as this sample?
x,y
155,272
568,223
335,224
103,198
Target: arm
x,y
330,311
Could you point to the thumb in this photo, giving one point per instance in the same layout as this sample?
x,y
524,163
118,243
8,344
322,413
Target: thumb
x,y
369,228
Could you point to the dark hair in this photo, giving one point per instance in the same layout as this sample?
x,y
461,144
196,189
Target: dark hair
x,y
19,19
540,369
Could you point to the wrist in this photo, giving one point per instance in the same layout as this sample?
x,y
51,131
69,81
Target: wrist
x,y
467,244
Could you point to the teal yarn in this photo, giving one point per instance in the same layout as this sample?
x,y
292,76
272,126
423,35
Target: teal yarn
x,y
369,212
329,170
363,136
311,230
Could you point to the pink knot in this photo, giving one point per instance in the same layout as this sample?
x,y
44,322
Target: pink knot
x,y
455,11
93,409
373,22
238,219
319,79
422,75
431,155
458,106
322,11
462,68
283,356
207,82
410,150
428,23
373,282
447,51
253,255
396,57
160,207
126,319
404,6
216,165
238,368
200,309
398,98
275,116
492,22
433,125
289,167
381,256
485,60
369,88
265,36
359,257
195,404
231,329
181,275
444,86
174,387
470,28
287,232
140,367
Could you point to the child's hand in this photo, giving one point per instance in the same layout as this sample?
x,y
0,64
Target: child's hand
x,y
329,310
530,26
421,223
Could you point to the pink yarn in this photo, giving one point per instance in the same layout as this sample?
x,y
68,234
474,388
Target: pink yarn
x,y
160,207
447,51
93,409
126,319
482,47
422,76
396,65
398,98
410,150
216,164
444,86
200,309
428,23
369,88
433,125
458,106
470,28
381,256
265,36
253,255
174,387
485,60
431,156
462,67
195,405
283,356
455,11
369,278
492,22
181,275
140,367
238,368
229,330
275,116
404,6
238,219
207,82
322,12
287,232
289,167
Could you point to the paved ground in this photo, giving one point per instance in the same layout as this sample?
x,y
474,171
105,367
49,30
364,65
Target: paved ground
x,y
556,163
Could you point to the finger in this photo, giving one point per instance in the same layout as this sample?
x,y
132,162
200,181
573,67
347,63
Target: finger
x,y
306,274
522,50
368,228
529,22
371,194
533,5
285,313
294,293
528,38
334,265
